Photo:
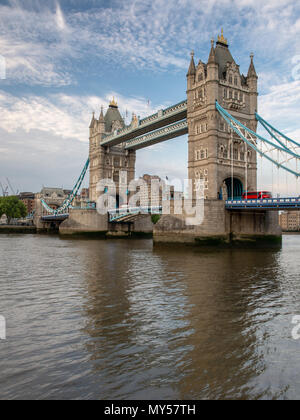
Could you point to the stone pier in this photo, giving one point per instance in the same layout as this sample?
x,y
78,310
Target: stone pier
x,y
91,223
221,227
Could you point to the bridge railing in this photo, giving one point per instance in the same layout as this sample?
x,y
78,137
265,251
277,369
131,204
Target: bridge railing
x,y
271,203
116,214
173,128
174,109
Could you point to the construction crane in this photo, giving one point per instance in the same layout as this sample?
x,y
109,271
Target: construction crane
x,y
12,190
4,191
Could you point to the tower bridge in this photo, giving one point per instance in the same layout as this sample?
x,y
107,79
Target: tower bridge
x,y
220,116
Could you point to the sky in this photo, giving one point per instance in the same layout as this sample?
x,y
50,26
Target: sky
x,y
65,59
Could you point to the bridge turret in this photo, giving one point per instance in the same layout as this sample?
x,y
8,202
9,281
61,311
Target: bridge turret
x,y
192,72
213,150
101,124
212,65
108,162
252,81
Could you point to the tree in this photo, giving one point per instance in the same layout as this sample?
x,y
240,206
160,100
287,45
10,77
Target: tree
x,y
155,218
12,207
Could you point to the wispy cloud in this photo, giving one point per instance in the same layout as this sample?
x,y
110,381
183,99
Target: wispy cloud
x,y
64,115
39,38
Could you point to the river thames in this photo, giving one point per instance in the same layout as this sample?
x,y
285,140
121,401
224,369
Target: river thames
x,y
90,319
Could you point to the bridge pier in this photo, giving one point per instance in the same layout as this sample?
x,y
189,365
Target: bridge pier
x,y
91,223
221,227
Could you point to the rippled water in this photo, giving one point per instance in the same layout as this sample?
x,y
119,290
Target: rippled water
x,y
121,320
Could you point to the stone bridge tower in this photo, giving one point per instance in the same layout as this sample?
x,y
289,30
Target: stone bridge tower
x,y
108,162
215,153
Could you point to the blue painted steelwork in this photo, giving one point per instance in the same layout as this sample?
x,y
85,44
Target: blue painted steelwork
x,y
229,119
55,217
269,127
120,215
69,200
266,204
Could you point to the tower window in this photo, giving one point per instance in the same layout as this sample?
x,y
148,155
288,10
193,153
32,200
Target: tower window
x,y
235,154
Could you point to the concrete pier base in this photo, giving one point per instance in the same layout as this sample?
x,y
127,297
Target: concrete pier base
x,y
221,227
90,223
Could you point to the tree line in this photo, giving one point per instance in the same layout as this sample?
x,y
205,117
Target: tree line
x,y
13,208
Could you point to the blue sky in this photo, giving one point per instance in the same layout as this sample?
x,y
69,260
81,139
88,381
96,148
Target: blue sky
x,y
64,59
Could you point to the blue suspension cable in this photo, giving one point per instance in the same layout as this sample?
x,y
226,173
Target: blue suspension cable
x,y
69,200
228,118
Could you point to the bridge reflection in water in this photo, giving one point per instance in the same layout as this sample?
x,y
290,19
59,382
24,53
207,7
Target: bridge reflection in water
x,y
124,320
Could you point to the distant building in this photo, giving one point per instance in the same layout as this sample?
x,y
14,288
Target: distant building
x,y
82,199
154,199
290,221
28,198
157,191
54,197
67,192
84,195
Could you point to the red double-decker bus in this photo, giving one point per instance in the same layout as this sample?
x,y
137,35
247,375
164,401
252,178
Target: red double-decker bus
x,y
256,195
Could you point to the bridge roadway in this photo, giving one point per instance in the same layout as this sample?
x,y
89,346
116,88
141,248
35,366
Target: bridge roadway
x,y
158,136
278,204
125,215
162,118
55,217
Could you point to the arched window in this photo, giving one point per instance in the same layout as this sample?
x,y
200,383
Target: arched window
x,y
200,77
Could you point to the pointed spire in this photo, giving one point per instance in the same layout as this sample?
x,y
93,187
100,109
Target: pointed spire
x,y
113,103
212,55
192,68
252,71
221,39
101,117
93,121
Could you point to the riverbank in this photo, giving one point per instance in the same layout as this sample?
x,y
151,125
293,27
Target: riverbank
x,y
18,229
291,233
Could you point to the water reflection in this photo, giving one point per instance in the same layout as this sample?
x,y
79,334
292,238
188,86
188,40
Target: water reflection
x,y
182,324
121,319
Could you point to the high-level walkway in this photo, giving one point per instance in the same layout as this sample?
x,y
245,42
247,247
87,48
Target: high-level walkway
x,y
154,122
